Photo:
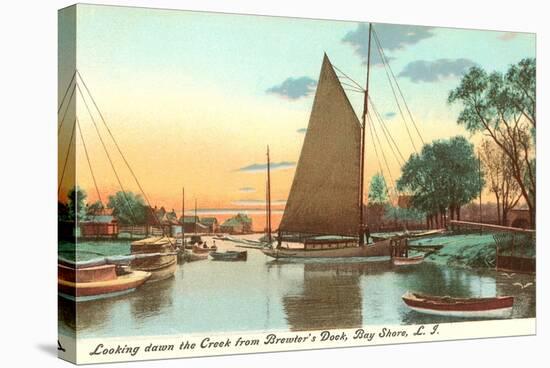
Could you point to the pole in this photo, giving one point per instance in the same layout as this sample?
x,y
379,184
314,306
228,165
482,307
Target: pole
x,y
480,214
362,165
183,216
268,197
195,217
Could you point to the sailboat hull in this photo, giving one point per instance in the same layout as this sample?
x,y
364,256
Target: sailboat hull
x,y
378,249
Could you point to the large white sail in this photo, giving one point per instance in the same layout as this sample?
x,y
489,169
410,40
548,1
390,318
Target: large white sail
x,y
324,197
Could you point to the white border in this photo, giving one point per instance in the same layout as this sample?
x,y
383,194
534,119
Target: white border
x,y
28,78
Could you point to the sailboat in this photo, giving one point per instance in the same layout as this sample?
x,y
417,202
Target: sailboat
x,y
323,217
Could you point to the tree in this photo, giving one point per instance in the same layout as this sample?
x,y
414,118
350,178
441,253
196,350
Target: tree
x,y
62,212
95,209
378,191
76,209
377,199
128,208
403,215
444,176
501,182
502,106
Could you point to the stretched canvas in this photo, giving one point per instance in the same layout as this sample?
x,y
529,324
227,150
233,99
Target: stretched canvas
x,y
235,184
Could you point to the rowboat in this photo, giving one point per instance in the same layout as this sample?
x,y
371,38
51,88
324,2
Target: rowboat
x,y
189,256
495,307
84,283
159,257
404,261
229,255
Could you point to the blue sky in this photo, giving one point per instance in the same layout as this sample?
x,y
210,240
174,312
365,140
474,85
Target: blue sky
x,y
248,81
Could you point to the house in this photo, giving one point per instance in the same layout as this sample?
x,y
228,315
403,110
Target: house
x,y
192,224
211,223
239,224
99,227
404,201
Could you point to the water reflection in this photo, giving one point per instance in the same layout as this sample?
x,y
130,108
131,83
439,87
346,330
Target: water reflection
x,y
153,299
265,295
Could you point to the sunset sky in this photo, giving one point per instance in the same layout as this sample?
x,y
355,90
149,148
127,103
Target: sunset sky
x,y
193,98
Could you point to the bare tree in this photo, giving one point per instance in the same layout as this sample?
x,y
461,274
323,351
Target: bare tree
x,y
501,182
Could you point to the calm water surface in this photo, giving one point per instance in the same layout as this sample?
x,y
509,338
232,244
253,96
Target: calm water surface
x,y
262,294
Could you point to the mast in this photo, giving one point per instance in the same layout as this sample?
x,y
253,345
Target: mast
x,y
364,121
183,216
268,189
195,217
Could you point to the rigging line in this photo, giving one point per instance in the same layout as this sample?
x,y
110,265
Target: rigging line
x,y
122,155
66,91
394,94
88,159
66,160
109,158
386,130
352,86
346,76
353,90
387,140
382,151
374,145
66,109
399,89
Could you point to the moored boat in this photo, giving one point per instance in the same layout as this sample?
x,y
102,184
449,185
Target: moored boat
x,y
229,255
189,256
404,261
199,249
84,283
330,249
164,262
493,307
324,212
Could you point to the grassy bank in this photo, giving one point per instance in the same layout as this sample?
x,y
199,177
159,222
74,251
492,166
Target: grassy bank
x,y
464,250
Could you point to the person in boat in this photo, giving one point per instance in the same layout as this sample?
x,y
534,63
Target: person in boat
x,y
279,239
205,245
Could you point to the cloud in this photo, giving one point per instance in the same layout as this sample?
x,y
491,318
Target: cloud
x,y
392,37
433,71
262,167
257,202
507,36
302,130
294,88
390,114
247,190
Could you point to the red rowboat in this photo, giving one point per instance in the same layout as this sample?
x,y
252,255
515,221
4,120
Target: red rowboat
x,y
403,261
496,307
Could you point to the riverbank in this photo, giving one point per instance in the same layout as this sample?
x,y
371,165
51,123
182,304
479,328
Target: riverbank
x,y
461,250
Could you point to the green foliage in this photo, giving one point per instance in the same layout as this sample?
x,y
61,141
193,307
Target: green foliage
x,y
95,209
76,209
378,191
444,175
128,208
62,212
502,106
402,214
